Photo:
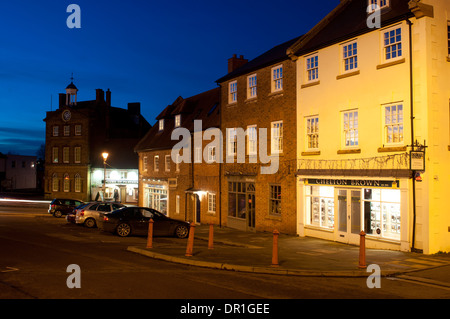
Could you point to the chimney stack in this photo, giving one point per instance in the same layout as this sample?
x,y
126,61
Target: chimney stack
x,y
108,97
235,62
99,96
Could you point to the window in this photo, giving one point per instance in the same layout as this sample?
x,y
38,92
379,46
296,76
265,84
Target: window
x,y
277,78
211,203
312,132
312,68
178,120
393,124
350,56
77,157
161,125
448,37
77,183
251,88
350,125
55,130
55,152
66,151
252,138
144,163
232,142
156,163
78,130
66,184
238,204
198,155
66,130
55,183
377,4
211,154
167,163
232,92
275,200
177,205
319,206
393,43
277,137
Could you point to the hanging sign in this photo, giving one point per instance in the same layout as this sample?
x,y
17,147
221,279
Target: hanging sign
x,y
417,161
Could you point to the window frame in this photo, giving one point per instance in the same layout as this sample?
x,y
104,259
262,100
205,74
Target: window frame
x,y
252,83
156,163
78,183
212,154
231,141
161,125
399,47
55,130
400,125
66,154
252,140
311,132
55,182
350,131
277,78
374,5
66,183
66,130
353,58
312,67
55,155
167,163
275,189
276,139
78,130
232,92
77,155
178,120
212,203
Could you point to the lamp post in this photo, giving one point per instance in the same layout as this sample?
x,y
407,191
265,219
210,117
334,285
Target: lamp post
x,y
105,156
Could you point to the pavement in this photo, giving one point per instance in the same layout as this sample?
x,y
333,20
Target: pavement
x,y
252,252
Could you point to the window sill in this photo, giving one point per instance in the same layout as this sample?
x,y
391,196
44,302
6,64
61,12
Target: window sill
x,y
251,99
310,153
346,75
391,149
350,151
448,59
276,93
449,147
388,64
307,85
232,103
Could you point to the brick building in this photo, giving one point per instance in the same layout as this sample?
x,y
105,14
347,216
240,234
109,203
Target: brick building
x,y
257,95
77,133
185,189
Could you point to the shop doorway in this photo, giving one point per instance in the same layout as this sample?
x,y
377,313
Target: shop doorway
x,y
348,216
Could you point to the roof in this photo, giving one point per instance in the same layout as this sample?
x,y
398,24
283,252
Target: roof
x,y
274,55
203,106
71,86
347,20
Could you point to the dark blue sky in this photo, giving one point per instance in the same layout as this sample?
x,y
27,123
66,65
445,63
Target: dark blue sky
x,y
142,50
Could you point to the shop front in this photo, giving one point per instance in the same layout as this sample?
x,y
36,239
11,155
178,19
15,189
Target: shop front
x,y
156,195
120,185
339,209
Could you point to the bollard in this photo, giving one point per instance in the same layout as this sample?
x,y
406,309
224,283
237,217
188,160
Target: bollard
x,y
150,234
211,236
190,245
362,250
275,249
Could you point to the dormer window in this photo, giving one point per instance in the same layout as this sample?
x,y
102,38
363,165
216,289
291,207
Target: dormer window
x,y
178,120
377,5
161,125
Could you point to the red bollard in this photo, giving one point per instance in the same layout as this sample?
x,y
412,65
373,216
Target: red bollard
x,y
362,250
211,236
190,245
275,249
150,234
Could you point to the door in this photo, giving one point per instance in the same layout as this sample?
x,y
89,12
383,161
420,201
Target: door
x,y
251,207
349,216
197,209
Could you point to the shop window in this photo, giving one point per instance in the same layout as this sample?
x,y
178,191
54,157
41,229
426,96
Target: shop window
x,y
319,201
237,204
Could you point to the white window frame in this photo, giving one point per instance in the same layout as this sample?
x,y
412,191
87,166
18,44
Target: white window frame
x,y
312,132
252,91
178,120
276,137
389,126
386,37
232,92
252,140
350,128
167,163
312,67
161,125
377,5
212,154
197,155
212,203
156,163
277,78
231,141
350,56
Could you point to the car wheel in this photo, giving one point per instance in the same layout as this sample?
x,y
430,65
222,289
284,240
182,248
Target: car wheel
x,y
181,231
123,230
57,214
89,223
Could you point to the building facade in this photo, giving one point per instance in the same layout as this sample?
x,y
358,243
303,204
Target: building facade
x,y
373,125
18,172
77,134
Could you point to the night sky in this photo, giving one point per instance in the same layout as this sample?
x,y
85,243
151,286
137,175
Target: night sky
x,y
142,50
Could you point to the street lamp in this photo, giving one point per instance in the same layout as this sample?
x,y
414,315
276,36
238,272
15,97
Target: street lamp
x,y
105,156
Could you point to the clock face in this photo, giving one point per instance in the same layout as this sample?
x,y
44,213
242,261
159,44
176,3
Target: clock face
x,y
66,115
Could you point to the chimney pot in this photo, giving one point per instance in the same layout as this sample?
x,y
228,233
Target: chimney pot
x,y
235,62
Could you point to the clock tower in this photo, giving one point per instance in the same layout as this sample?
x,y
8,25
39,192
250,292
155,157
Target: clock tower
x,y
71,94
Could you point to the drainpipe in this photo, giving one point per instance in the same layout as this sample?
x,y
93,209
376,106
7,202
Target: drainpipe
x,y
412,130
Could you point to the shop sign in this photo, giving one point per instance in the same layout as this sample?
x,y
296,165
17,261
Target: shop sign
x,y
121,181
353,182
417,161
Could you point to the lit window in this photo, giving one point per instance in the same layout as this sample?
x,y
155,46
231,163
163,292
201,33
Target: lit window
x,y
275,200
156,163
177,120
393,44
66,155
55,183
350,124
66,184
319,206
55,152
350,56
252,136
161,125
312,68
393,123
211,203
277,137
312,132
277,78
232,89
251,89
77,183
77,156
167,163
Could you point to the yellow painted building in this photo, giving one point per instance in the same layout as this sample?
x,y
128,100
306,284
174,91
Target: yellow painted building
x,y
373,86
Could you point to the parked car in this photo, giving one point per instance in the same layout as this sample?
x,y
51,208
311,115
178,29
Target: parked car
x,y
134,221
63,206
89,215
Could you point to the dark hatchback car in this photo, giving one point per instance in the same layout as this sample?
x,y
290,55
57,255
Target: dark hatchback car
x,y
134,221
63,206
